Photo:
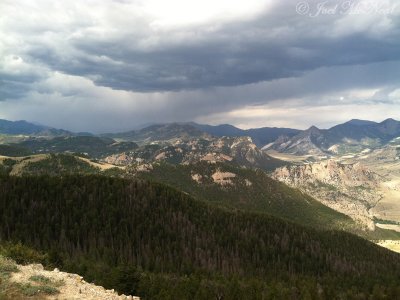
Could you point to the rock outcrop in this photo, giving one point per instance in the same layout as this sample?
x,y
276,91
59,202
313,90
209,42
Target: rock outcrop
x,y
223,178
238,150
70,286
348,188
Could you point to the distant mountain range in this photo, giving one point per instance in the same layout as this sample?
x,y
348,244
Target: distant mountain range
x,y
23,127
260,136
185,131
160,132
352,136
26,128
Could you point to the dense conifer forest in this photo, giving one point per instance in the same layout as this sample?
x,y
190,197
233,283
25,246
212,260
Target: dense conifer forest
x,y
251,190
151,240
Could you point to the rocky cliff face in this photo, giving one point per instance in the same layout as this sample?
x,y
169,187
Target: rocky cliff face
x,y
329,172
348,188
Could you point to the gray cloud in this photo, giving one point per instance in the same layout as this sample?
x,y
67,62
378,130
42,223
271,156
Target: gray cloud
x,y
279,43
237,54
112,60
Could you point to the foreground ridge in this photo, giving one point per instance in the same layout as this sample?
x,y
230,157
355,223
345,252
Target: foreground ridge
x,y
33,279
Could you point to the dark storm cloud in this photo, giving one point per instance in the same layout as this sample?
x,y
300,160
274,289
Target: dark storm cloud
x,y
277,44
110,67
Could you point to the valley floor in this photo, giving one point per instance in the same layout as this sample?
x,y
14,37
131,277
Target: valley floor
x,y
393,245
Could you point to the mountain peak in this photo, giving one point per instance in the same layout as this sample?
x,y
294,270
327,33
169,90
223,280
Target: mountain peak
x,y
313,129
358,122
389,121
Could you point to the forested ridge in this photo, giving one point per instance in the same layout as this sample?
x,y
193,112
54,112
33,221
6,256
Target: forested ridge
x,y
149,239
251,190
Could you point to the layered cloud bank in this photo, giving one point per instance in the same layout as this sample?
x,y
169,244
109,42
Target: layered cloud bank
x,y
90,65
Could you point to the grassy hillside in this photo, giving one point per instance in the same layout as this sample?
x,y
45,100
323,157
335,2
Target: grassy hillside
x,y
58,164
47,164
151,240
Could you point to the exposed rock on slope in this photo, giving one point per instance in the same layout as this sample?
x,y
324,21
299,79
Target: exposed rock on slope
x,y
223,178
329,172
347,188
385,161
352,136
239,150
310,141
70,286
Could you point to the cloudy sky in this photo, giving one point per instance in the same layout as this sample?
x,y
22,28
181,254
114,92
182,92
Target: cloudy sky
x,y
115,65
